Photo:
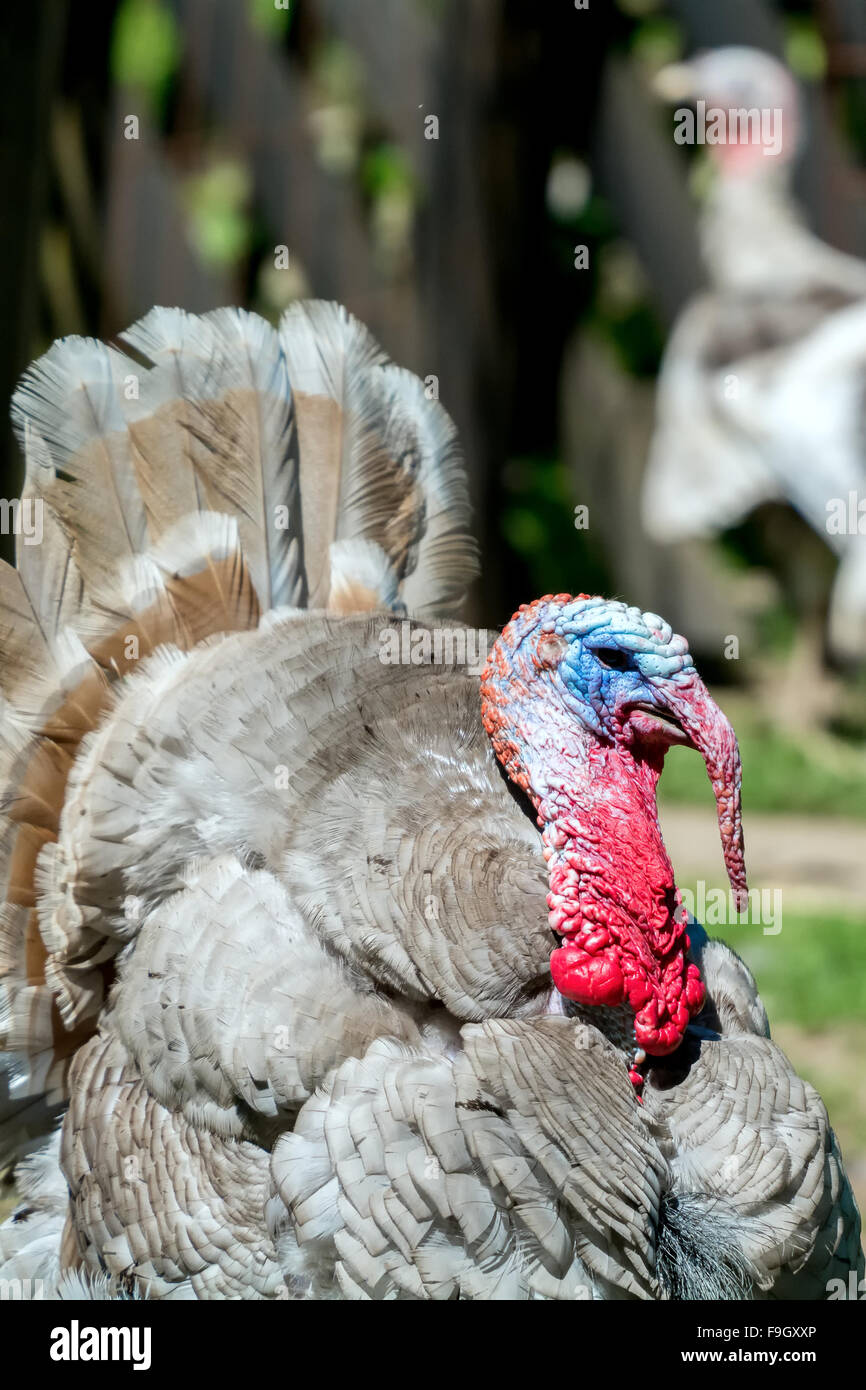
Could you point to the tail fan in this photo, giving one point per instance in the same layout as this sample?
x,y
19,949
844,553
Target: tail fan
x,y
213,470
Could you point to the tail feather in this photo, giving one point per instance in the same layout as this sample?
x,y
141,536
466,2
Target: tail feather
x,y
330,357
231,434
379,463
213,470
68,414
439,549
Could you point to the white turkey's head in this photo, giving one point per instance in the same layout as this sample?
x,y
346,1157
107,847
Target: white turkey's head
x,y
758,96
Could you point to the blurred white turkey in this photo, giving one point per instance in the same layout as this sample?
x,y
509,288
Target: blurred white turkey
x,y
275,919
761,392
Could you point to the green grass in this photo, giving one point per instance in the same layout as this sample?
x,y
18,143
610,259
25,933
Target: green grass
x,y
812,979
779,774
814,972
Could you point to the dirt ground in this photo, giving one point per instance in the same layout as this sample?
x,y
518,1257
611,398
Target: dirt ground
x,y
814,861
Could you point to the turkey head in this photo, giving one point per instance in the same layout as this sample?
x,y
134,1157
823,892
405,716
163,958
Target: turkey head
x,y
582,698
749,86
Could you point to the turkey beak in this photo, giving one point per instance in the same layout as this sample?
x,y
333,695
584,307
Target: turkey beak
x,y
712,735
675,82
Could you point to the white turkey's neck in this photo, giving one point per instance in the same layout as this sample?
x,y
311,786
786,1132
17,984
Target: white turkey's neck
x,y
755,242
751,231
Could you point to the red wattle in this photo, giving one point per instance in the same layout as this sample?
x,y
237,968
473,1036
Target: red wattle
x,y
585,978
612,897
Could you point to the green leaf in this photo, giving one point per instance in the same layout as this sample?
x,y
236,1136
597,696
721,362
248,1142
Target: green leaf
x,y
269,19
387,170
805,52
145,46
216,200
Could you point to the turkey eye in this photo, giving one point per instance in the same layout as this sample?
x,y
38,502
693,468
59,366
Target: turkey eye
x,y
612,657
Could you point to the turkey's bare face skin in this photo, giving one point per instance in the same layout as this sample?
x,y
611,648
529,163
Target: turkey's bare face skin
x,y
581,699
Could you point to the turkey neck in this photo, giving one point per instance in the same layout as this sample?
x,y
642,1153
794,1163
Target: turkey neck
x,y
612,895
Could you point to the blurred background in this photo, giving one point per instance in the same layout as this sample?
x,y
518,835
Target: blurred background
x,y
494,187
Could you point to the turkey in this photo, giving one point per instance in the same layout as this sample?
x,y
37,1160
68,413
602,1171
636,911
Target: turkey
x,y
359,975
761,392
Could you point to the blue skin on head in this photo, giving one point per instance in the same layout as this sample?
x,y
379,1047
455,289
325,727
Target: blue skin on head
x,y
564,665
616,656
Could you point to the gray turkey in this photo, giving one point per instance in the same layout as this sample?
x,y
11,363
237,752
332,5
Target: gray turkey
x,y
358,976
762,390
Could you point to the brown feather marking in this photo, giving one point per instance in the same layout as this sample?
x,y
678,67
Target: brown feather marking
x,y
320,438
353,597
25,851
39,799
404,527
225,432
393,504
35,954
77,714
221,598
168,492
89,505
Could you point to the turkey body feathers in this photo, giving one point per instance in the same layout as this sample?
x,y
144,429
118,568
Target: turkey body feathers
x,y
276,924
